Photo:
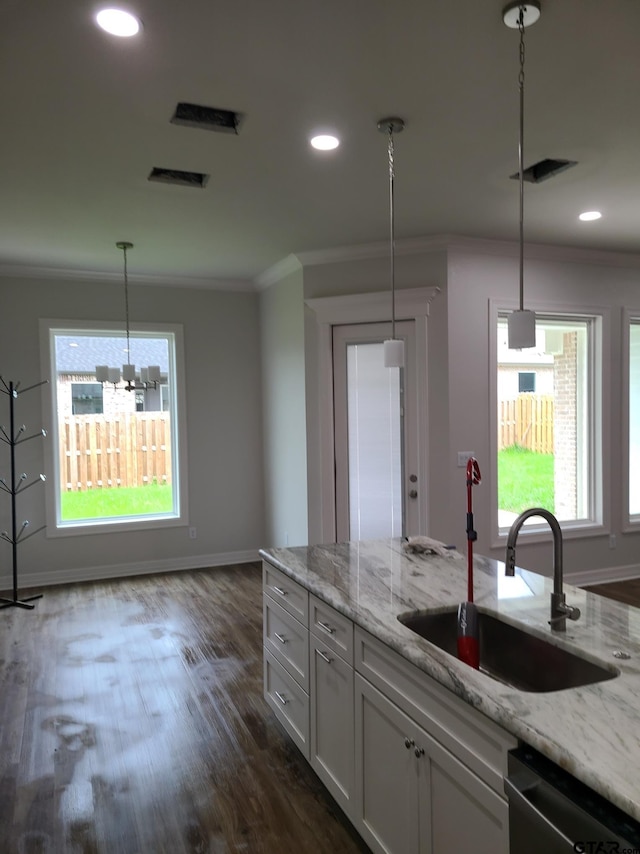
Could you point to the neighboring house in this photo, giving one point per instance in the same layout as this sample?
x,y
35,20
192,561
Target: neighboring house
x,y
521,371
78,391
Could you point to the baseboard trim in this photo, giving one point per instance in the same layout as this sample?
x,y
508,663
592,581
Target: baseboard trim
x,y
100,573
589,577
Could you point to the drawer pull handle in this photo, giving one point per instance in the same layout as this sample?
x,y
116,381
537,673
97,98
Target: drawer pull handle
x,y
282,699
419,751
281,638
324,656
280,591
409,743
326,627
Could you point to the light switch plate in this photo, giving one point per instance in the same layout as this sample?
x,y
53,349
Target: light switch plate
x,y
463,457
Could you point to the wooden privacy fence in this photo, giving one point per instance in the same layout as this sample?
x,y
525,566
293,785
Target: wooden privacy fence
x,y
128,449
526,421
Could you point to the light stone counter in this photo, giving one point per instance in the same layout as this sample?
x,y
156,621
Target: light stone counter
x,y
593,732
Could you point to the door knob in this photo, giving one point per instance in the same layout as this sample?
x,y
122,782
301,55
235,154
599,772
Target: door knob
x,y
413,493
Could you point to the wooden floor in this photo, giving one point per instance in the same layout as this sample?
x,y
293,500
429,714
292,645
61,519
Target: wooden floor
x,y
624,591
132,722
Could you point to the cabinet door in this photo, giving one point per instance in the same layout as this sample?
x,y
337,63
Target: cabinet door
x,y
458,812
332,739
386,812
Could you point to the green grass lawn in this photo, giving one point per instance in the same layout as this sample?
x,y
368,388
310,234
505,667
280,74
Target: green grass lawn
x,y
116,501
525,479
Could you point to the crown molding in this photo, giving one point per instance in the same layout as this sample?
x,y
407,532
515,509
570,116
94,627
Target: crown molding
x,y
23,271
544,252
373,307
280,270
380,249
445,243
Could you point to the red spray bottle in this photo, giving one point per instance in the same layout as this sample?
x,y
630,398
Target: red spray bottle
x,y
468,625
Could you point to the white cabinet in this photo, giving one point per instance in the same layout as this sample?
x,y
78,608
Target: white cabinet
x,y
412,795
285,638
415,768
386,775
331,701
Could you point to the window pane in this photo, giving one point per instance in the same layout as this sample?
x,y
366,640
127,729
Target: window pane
x,y
375,444
116,442
634,418
544,442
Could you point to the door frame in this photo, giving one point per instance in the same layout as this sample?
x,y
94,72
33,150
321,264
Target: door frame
x,y
410,304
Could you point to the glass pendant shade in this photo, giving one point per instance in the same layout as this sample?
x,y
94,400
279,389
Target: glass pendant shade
x,y
394,353
521,327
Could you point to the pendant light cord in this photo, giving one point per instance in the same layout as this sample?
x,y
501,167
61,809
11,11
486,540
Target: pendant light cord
x,y
392,239
126,302
521,154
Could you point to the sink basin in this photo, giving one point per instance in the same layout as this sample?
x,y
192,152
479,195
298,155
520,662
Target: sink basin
x,y
510,654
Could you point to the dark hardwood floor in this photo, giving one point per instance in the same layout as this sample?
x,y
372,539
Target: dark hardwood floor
x,y
132,722
623,591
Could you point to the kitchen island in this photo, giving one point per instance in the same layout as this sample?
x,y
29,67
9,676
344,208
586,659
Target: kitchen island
x,y
591,731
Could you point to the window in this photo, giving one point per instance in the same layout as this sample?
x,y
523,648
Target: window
x,y
548,436
86,398
115,454
526,381
634,418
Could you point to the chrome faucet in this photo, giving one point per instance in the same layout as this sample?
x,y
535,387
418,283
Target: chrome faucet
x,y
559,608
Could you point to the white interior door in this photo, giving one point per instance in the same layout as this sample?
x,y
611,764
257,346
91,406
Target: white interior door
x,y
375,439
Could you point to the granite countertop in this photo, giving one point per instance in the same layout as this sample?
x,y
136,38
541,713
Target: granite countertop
x,y
592,731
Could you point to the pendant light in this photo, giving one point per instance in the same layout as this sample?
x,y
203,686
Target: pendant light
x,y
393,347
521,323
148,377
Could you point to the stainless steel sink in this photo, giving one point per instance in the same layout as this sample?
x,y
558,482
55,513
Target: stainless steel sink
x,y
510,654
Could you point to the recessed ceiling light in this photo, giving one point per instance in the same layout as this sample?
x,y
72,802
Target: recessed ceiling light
x,y
117,22
325,142
589,216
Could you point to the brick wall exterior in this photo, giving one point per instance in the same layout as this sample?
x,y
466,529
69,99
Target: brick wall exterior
x,y
565,429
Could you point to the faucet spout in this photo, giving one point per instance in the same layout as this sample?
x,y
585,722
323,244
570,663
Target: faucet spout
x,y
559,609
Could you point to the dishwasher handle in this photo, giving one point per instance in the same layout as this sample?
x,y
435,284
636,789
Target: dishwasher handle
x,y
517,794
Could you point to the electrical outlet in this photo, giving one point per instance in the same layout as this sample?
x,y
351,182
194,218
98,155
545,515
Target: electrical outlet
x,y
193,533
464,457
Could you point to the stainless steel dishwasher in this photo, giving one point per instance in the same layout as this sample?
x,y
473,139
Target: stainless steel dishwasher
x,y
550,812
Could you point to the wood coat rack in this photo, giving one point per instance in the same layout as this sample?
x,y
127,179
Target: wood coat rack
x,y
17,484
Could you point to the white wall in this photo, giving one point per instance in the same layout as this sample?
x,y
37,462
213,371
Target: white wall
x,y
367,275
554,279
471,273
284,416
223,423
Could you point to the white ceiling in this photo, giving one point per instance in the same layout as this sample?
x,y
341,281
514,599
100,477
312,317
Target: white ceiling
x,y
85,117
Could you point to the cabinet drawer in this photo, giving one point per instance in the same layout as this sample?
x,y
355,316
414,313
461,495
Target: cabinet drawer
x,y
332,628
470,736
286,592
287,639
288,701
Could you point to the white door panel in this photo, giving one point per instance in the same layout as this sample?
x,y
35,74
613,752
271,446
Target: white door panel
x,y
375,435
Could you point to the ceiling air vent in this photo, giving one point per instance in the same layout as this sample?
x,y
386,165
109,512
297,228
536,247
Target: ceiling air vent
x,y
544,169
177,176
207,118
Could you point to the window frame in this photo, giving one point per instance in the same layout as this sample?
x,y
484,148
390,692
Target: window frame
x,y
599,406
630,316
179,518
